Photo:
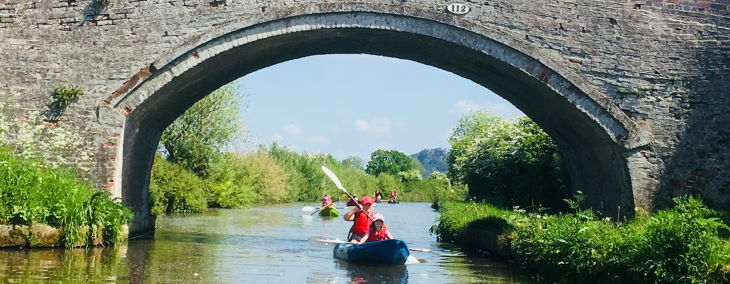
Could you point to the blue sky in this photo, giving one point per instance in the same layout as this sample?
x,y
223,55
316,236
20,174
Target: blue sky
x,y
352,105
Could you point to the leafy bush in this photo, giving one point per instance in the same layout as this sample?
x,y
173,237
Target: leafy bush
x,y
31,193
173,189
678,245
305,178
64,96
240,180
507,162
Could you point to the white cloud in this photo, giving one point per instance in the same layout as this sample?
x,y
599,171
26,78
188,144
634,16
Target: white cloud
x,y
374,126
318,140
277,138
292,129
464,106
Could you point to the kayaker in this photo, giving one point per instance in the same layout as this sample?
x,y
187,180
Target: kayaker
x,y
326,201
378,195
378,230
351,202
393,196
361,219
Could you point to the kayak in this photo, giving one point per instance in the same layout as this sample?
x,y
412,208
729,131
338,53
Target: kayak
x,y
388,252
329,212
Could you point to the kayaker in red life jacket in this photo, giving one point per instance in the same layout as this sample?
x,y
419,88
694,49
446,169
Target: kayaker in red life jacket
x,y
378,230
360,218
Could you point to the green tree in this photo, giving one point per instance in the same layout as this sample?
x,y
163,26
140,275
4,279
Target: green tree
x,y
391,162
354,162
507,162
195,140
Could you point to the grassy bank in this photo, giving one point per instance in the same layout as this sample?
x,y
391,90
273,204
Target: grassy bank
x,y
275,175
677,245
32,193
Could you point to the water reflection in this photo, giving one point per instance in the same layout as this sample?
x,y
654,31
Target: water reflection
x,y
93,264
259,245
360,273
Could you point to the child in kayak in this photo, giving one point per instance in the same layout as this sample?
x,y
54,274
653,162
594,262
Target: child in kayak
x,y
327,202
378,230
361,219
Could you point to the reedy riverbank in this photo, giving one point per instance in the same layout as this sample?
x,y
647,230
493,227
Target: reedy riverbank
x,y
677,245
32,194
278,175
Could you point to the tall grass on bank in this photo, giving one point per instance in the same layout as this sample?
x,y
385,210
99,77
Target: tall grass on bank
x,y
677,245
32,193
240,180
278,175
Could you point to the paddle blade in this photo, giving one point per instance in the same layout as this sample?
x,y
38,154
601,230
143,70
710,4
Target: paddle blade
x,y
307,208
411,260
322,241
436,252
334,178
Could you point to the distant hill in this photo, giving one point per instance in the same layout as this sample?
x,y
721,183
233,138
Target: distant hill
x,y
432,160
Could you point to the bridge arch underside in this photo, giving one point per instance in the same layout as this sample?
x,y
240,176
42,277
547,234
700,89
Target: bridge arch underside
x,y
585,131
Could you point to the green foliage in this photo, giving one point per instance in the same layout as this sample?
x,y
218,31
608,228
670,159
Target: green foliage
x,y
507,162
173,189
305,179
410,176
391,162
387,182
678,245
31,193
240,180
64,96
195,139
354,162
455,217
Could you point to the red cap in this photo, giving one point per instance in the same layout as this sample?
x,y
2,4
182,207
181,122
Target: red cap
x,y
366,200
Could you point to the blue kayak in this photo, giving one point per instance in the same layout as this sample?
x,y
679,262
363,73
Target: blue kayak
x,y
389,252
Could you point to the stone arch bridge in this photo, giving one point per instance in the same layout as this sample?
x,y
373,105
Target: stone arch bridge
x,y
634,92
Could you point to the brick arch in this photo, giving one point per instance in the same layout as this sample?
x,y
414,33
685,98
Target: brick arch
x,y
595,136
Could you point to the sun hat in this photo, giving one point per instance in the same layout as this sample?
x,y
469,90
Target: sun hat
x,y
378,216
366,200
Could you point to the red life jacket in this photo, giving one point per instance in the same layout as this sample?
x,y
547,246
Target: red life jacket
x,y
362,224
378,236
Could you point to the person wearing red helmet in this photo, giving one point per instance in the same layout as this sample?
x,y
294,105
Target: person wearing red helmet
x,y
378,230
361,219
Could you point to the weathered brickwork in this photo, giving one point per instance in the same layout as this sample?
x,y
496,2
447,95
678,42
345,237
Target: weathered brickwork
x,y
635,92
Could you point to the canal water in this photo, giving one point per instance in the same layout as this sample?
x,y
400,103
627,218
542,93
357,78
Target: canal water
x,y
267,244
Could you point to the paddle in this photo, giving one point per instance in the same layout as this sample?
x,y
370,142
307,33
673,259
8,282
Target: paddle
x,y
337,182
310,208
321,241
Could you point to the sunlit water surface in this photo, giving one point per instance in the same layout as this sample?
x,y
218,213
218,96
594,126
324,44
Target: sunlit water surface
x,y
267,244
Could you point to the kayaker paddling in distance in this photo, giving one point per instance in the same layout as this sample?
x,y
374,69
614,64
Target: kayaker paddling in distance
x,y
378,230
326,201
352,201
361,219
